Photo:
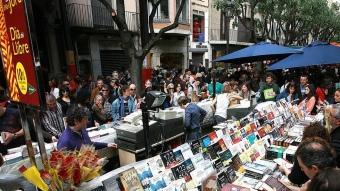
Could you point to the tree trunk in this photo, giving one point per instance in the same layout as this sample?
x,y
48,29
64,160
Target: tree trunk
x,y
136,72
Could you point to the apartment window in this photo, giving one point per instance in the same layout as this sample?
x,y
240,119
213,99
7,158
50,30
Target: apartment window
x,y
184,17
198,26
162,13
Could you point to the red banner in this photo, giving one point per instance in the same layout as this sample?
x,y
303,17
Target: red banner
x,y
17,53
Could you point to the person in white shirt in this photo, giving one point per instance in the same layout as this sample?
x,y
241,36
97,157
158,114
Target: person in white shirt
x,y
220,104
178,93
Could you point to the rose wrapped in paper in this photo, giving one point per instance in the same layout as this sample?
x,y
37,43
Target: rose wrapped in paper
x,y
68,169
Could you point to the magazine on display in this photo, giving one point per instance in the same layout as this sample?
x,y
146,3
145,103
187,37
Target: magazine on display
x,y
130,180
169,159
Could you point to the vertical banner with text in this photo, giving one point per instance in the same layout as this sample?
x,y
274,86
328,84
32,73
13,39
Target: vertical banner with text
x,y
17,54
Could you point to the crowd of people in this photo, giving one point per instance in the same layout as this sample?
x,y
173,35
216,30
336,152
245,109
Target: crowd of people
x,y
75,104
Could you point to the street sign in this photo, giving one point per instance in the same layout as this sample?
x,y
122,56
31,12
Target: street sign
x,y
17,53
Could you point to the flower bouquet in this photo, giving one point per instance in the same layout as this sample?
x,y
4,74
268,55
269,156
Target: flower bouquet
x,y
66,170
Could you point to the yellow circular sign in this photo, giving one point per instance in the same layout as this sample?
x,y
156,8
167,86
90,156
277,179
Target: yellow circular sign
x,y
21,78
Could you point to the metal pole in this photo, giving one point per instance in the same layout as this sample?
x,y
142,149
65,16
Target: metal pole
x,y
144,21
24,124
41,143
146,128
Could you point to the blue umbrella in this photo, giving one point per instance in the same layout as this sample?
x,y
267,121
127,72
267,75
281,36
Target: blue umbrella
x,y
258,52
317,53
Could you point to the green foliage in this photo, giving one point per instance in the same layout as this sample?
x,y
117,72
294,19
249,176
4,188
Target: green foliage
x,y
290,21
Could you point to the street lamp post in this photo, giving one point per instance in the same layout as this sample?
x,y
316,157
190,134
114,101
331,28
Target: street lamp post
x,y
228,14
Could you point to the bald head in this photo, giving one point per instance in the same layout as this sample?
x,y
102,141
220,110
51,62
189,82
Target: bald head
x,y
51,102
132,89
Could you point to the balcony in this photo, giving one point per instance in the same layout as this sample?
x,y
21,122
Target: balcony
x,y
235,36
88,16
161,19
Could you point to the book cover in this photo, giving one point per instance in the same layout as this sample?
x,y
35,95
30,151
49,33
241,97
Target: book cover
x,y
253,127
222,144
189,165
218,165
178,156
222,179
197,160
144,174
186,150
219,134
231,175
213,150
196,147
225,156
157,183
213,136
251,138
180,171
248,129
205,141
243,133
156,165
262,132
236,162
169,159
168,176
130,180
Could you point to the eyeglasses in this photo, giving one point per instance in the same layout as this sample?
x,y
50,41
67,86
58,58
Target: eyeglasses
x,y
104,90
132,89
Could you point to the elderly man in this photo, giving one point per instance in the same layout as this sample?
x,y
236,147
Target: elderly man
x,y
314,155
52,119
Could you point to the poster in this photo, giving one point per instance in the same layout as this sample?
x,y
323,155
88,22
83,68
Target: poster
x,y
17,54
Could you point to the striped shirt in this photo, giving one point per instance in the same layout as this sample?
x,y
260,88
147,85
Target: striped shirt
x,y
52,121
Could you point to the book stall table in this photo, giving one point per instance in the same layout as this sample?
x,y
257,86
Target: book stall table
x,y
239,155
17,157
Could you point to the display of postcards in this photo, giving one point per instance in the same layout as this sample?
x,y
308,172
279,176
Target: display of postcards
x,y
157,183
225,155
179,156
186,150
218,165
156,165
252,182
169,159
130,180
213,137
205,141
180,171
222,144
144,173
251,138
231,174
236,162
222,179
196,147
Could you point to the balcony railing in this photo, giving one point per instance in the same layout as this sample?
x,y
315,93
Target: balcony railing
x,y
161,19
87,16
234,35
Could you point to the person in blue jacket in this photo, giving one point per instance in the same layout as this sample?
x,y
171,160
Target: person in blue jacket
x,y
194,115
289,94
124,105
